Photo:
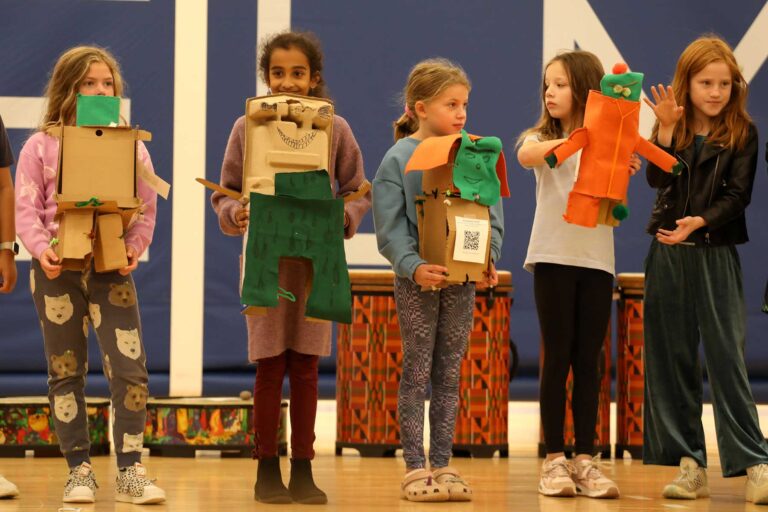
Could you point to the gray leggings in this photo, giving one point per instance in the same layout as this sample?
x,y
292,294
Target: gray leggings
x,y
66,307
435,328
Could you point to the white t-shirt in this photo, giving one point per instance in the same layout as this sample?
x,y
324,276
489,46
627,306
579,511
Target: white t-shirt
x,y
552,239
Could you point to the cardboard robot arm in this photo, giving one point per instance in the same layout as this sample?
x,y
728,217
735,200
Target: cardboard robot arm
x,y
658,156
579,139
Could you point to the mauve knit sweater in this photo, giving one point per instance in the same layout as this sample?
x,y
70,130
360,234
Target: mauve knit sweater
x,y
285,326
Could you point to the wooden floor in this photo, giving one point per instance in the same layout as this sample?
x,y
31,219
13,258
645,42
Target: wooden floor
x,y
210,483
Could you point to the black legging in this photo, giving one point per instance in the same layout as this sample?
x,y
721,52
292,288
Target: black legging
x,y
574,305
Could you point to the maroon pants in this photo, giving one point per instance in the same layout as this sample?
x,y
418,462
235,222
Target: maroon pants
x,y
267,394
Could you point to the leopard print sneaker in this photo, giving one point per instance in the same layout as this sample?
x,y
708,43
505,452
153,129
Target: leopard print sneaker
x,y
133,486
81,485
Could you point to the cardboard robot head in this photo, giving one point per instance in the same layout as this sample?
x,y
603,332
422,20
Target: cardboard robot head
x,y
285,133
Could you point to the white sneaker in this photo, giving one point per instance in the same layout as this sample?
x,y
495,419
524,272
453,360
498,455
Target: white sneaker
x,y
7,489
81,485
591,482
556,478
757,484
133,486
690,484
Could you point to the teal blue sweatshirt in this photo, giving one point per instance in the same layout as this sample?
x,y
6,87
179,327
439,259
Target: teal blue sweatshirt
x,y
394,211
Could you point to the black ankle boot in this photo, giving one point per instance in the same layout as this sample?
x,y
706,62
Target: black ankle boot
x,y
269,486
302,486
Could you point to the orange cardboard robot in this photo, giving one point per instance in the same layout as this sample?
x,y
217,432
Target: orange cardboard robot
x,y
607,140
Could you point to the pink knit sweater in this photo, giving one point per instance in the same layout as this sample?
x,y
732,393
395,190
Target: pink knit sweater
x,y
36,203
285,326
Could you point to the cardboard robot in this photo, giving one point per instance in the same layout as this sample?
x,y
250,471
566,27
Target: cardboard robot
x,y
293,212
97,187
463,175
607,140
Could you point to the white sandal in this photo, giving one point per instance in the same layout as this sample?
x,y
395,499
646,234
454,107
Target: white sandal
x,y
458,488
418,485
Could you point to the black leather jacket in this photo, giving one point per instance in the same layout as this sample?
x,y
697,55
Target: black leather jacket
x,y
717,187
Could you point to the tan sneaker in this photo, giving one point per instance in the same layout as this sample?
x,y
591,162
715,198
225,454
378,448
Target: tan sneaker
x,y
556,478
757,484
591,482
690,484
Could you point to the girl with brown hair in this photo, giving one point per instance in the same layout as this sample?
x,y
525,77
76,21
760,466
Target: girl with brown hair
x,y
573,269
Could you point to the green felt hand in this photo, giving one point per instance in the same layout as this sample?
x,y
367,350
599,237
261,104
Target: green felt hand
x,y
474,171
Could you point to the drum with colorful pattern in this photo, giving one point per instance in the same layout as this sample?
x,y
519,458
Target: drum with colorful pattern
x,y
26,424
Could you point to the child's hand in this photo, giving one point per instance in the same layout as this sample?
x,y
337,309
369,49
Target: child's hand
x,y
241,218
7,271
133,261
429,275
491,279
634,164
50,263
666,109
685,227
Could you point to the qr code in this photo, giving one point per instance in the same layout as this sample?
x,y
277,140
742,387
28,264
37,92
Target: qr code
x,y
471,240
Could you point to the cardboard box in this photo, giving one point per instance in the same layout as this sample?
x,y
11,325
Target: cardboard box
x,y
75,239
284,133
97,193
439,236
99,162
109,251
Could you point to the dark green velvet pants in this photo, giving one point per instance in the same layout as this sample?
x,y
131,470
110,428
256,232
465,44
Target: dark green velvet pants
x,y
695,294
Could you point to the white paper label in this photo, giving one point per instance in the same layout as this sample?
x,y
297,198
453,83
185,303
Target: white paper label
x,y
471,240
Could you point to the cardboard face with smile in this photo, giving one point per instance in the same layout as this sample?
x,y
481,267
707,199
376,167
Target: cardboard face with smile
x,y
474,171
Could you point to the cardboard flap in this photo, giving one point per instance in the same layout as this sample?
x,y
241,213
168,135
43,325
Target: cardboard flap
x,y
75,238
308,161
153,181
501,172
109,252
432,152
218,188
363,189
143,135
105,206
